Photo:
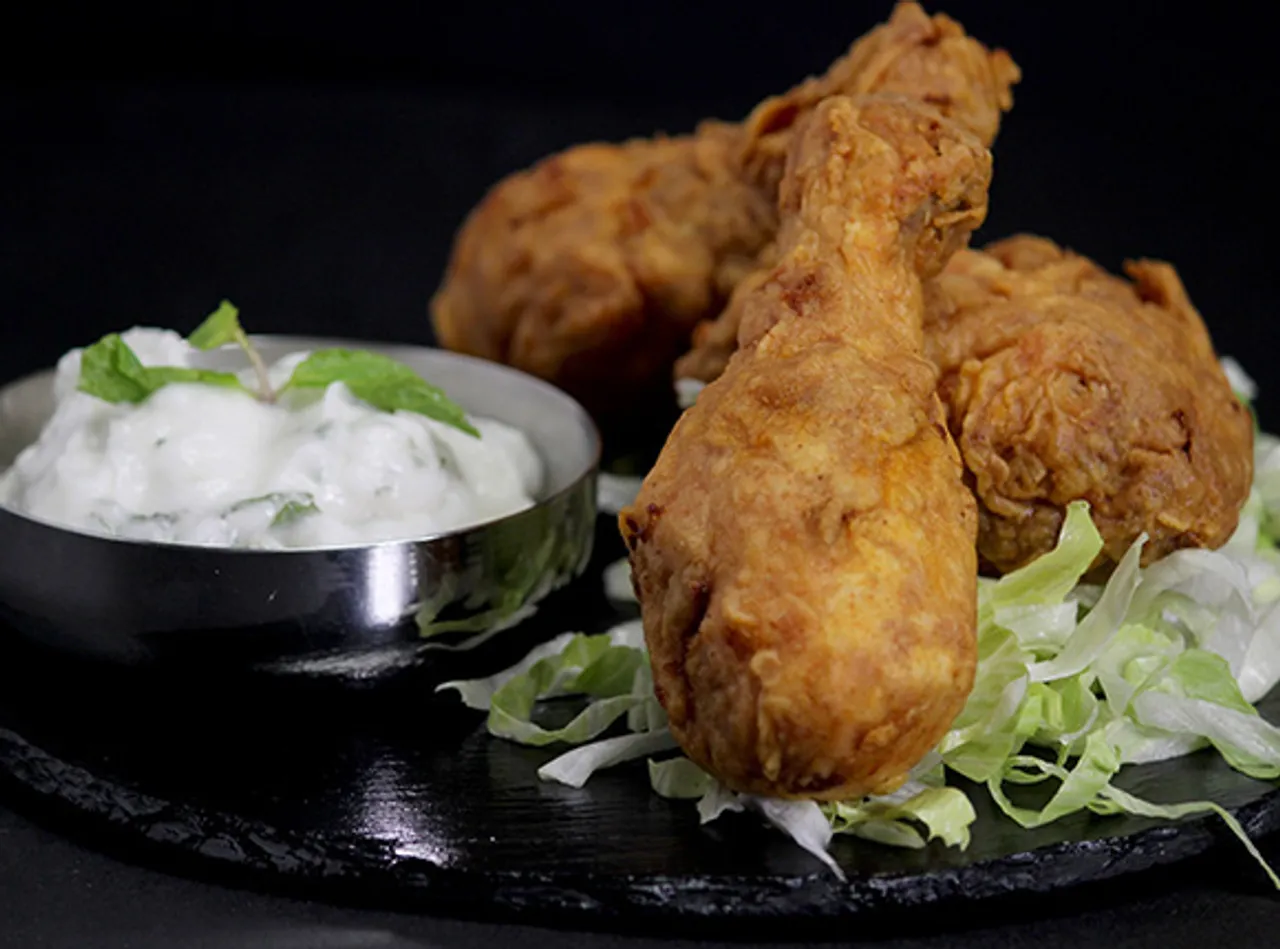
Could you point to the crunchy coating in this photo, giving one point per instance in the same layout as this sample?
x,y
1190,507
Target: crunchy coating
x,y
1062,381
592,268
803,550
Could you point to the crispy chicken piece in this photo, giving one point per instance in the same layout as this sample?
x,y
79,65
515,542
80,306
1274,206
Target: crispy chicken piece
x,y
716,340
1062,381
803,551
592,268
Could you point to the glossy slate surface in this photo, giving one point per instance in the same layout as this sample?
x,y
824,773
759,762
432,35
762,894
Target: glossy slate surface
x,y
396,795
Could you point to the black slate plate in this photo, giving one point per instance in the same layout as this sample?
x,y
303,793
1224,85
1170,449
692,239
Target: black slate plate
x,y
396,794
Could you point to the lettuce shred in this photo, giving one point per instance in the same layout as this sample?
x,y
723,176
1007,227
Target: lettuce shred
x,y
1074,683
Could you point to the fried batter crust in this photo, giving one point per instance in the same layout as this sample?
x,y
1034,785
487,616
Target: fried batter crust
x,y
803,551
1062,382
592,268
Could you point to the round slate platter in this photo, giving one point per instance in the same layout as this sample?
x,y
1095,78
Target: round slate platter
x,y
393,793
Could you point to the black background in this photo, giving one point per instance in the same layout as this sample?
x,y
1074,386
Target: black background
x,y
312,164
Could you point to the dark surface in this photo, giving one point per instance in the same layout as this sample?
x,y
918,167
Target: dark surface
x,y
397,797
61,895
312,165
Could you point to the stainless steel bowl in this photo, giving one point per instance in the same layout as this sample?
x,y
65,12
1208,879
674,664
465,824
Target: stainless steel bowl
x,y
356,611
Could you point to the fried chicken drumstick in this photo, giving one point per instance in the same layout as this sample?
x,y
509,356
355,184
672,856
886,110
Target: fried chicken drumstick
x,y
1063,382
592,268
803,551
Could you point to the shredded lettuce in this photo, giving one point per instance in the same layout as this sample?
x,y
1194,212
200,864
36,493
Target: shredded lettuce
x,y
575,768
802,821
605,668
944,813
614,492
1155,668
617,582
1241,382
687,391
1074,682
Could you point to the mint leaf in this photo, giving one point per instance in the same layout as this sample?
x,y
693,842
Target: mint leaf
x,y
326,366
292,510
160,376
424,399
382,382
112,372
219,328
290,505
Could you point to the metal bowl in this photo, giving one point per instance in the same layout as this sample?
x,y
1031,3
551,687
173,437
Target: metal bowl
x,y
353,611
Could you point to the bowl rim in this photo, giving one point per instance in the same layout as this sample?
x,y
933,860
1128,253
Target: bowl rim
x,y
575,484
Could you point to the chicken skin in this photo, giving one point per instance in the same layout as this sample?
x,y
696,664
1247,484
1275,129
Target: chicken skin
x,y
1062,382
803,550
592,269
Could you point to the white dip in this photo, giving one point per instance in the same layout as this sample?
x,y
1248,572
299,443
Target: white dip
x,y
201,464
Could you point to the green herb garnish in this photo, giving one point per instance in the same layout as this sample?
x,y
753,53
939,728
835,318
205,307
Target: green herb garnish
x,y
290,505
111,371
292,510
381,381
221,328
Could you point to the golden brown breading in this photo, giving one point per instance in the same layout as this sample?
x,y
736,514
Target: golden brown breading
x,y
592,268
803,551
1062,381
716,340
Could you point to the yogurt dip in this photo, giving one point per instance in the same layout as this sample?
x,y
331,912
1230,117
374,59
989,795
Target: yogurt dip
x,y
212,466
